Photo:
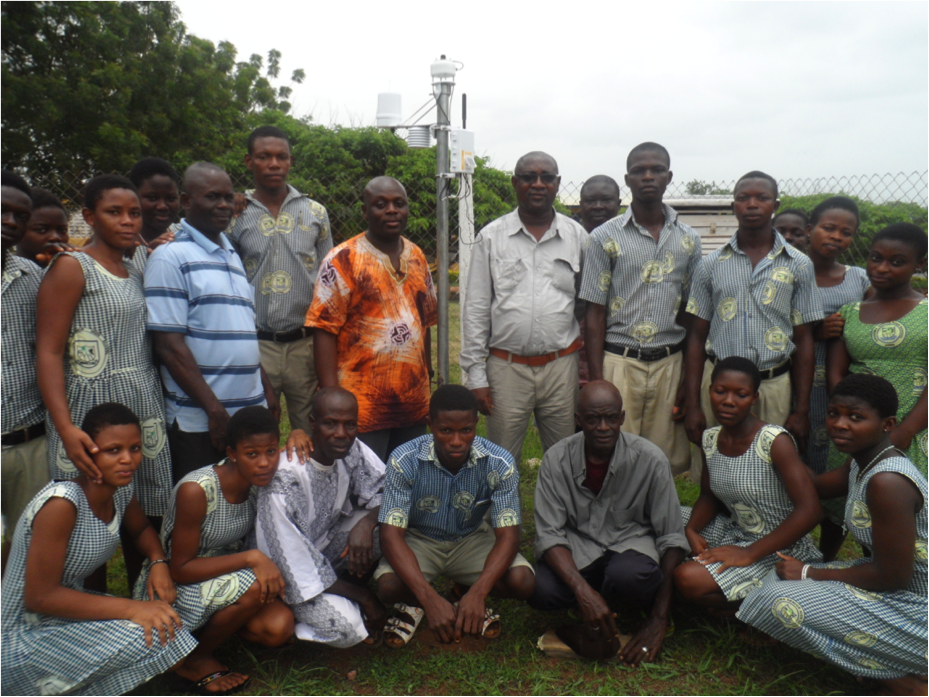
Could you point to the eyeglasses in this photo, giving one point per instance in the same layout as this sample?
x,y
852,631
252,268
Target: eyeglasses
x,y
529,178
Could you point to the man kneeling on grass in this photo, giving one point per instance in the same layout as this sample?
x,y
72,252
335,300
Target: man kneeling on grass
x,y
317,520
608,530
439,488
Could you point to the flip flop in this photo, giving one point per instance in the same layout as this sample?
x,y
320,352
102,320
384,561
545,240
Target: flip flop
x,y
399,630
200,685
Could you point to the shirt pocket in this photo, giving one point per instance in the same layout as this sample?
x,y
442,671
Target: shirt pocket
x,y
564,274
508,273
621,517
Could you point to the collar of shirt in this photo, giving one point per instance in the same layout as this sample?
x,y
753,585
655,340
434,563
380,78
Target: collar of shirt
x,y
427,454
780,245
579,460
209,245
514,224
292,193
15,267
670,221
366,245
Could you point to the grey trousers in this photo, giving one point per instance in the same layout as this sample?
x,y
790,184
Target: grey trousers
x,y
548,392
386,440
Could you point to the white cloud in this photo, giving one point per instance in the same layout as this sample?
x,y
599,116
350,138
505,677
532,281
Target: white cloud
x,y
797,89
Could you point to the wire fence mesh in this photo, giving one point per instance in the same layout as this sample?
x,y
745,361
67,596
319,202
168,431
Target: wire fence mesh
x,y
882,198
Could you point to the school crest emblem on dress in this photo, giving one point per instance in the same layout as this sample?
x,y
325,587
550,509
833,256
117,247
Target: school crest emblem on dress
x,y
153,436
860,638
889,334
89,354
748,518
789,612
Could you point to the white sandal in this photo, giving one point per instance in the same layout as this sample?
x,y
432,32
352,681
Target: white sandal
x,y
401,629
490,618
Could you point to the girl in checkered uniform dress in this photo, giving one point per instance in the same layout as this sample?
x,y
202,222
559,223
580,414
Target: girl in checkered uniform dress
x,y
58,638
756,497
868,615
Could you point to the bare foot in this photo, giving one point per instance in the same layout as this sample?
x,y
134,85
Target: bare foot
x,y
586,642
195,669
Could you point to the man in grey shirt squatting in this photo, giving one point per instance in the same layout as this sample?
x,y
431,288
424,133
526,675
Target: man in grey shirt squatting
x,y
521,335
282,236
608,526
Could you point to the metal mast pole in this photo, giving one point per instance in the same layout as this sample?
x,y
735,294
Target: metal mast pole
x,y
442,89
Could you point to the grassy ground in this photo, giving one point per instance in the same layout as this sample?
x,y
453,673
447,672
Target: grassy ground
x,y
702,656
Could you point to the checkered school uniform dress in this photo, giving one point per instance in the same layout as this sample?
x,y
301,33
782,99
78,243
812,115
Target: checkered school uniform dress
x,y
872,635
749,486
109,359
851,289
222,531
45,655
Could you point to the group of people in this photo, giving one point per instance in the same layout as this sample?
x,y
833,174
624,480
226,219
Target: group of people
x,y
141,383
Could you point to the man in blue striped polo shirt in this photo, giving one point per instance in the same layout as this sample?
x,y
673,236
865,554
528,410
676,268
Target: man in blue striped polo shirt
x,y
201,314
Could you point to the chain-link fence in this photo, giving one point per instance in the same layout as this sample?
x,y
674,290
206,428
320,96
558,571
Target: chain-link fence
x,y
883,199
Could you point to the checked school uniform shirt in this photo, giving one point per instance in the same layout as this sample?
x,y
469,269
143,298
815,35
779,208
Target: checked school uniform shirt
x,y
421,494
641,282
22,401
752,312
197,288
281,256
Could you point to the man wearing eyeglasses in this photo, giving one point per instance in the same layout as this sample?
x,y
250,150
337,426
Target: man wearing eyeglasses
x,y
520,329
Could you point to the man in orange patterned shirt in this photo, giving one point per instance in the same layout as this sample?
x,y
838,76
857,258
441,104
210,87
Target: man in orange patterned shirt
x,y
372,307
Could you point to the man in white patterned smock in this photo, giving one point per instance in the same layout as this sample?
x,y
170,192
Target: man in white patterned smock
x,y
316,522
636,282
520,332
754,297
282,236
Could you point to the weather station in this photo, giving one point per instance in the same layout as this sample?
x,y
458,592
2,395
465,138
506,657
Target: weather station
x,y
454,161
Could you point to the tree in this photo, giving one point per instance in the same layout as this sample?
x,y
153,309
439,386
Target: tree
x,y
697,187
94,86
332,165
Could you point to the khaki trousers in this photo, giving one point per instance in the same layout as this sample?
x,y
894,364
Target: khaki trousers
x,y
24,473
291,370
772,407
548,392
649,389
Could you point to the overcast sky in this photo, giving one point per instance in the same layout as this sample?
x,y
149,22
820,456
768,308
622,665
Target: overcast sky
x,y
793,88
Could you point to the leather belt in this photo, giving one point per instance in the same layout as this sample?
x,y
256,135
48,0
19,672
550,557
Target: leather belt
x,y
285,337
536,361
24,435
644,354
770,373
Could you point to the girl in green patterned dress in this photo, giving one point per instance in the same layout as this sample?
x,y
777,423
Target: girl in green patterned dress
x,y
886,335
